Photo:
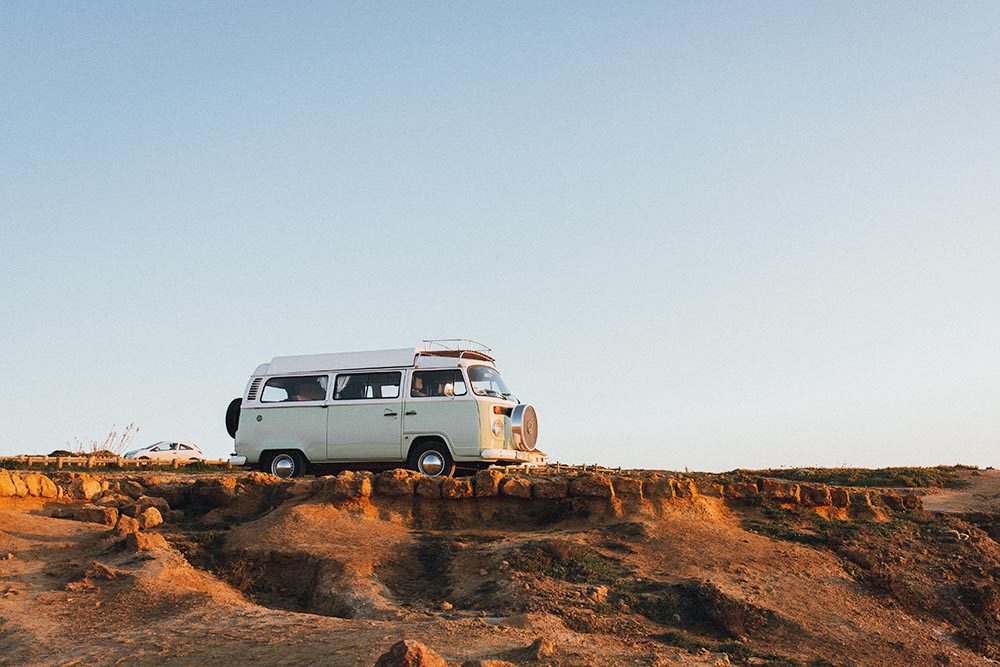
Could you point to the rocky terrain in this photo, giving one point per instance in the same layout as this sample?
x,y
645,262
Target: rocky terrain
x,y
552,567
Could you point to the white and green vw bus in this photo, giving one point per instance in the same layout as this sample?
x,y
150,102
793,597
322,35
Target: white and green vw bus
x,y
431,409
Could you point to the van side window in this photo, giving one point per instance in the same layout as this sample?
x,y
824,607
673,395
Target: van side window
x,y
359,386
281,390
438,383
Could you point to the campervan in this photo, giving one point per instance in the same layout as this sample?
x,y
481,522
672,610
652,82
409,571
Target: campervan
x,y
434,409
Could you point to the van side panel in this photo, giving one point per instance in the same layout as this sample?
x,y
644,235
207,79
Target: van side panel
x,y
454,419
284,427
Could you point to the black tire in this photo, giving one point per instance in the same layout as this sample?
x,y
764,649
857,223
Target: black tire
x,y
285,464
432,459
233,416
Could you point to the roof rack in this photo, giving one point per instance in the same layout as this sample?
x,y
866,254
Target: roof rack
x,y
456,347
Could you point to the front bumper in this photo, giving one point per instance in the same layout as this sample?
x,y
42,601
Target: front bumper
x,y
237,460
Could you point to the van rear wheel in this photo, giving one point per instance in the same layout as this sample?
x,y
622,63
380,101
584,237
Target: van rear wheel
x,y
286,465
432,460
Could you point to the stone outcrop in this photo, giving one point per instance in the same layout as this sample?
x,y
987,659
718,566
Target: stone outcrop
x,y
410,653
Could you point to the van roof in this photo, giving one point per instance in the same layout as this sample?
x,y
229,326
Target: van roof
x,y
407,356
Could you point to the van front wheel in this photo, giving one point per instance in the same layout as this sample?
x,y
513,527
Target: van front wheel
x,y
432,460
286,465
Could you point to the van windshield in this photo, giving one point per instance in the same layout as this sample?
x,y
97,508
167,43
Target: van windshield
x,y
486,381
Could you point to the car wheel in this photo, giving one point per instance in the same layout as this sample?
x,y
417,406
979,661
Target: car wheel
x,y
433,460
143,458
233,416
286,465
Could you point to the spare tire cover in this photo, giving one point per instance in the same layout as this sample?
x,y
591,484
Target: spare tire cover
x,y
233,416
524,427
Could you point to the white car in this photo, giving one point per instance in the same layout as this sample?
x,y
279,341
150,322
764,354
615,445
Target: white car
x,y
168,451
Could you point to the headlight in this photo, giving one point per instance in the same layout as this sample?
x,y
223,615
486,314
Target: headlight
x,y
497,428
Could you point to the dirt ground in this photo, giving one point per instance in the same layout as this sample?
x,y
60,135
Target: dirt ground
x,y
308,581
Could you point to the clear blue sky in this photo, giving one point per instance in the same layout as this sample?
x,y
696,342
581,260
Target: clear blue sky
x,y
704,235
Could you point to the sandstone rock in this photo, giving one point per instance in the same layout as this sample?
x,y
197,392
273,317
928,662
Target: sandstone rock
x,y
33,482
657,487
628,487
488,663
709,489
861,499
516,487
744,493
912,501
549,488
114,499
817,495
131,488
125,525
781,492
410,653
397,482
7,489
892,500
488,483
84,487
20,488
350,484
136,542
592,485
456,487
541,649
94,514
683,488
48,487
149,518
429,487
214,493
840,497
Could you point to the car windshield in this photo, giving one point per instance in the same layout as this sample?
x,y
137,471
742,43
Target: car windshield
x,y
486,381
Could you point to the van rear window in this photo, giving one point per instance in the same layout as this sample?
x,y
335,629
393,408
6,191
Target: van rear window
x,y
301,388
360,386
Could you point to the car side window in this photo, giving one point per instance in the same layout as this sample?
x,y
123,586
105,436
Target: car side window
x,y
299,388
360,386
437,383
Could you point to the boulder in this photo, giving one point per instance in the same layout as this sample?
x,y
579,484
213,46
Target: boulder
x,y
429,487
592,485
131,488
94,514
410,653
149,518
550,488
488,663
488,483
892,500
350,484
541,649
48,487
396,482
7,488
20,488
516,487
136,542
456,487
125,525
84,487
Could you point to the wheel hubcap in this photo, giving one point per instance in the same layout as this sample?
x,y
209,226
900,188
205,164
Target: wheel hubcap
x,y
431,464
283,467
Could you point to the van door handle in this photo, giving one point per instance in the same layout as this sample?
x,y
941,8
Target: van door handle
x,y
410,412
390,414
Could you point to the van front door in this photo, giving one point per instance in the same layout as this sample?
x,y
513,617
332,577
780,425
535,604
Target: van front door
x,y
365,417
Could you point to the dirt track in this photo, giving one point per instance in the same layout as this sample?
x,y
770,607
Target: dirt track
x,y
308,579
